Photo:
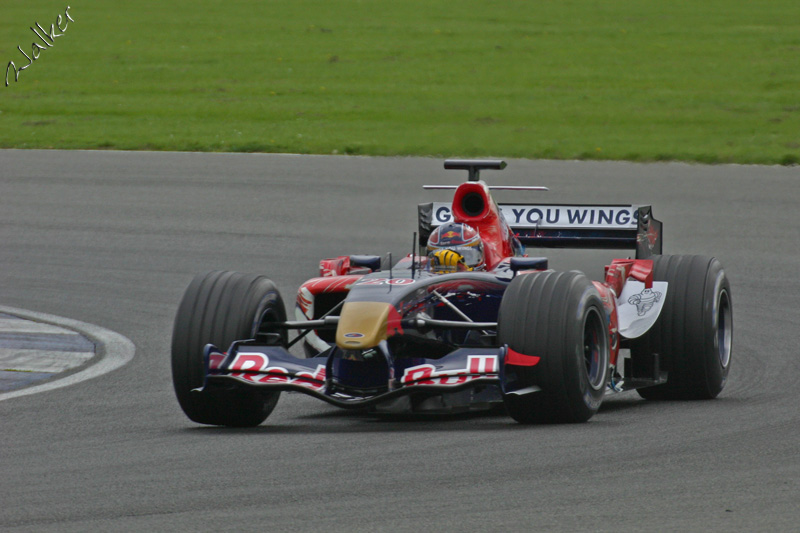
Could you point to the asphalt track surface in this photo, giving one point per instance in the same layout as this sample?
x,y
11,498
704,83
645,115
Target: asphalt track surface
x,y
113,238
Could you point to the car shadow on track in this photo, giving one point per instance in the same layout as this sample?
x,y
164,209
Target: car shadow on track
x,y
329,420
618,403
332,422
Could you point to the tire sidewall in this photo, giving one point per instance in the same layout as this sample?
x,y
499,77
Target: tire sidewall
x,y
576,376
718,294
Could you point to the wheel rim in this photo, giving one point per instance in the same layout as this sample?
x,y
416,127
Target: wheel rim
x,y
724,328
271,313
595,349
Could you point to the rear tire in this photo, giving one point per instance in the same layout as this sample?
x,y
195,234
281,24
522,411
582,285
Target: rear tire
x,y
559,317
694,333
219,308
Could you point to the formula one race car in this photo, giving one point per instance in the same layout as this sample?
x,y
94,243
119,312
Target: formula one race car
x,y
469,323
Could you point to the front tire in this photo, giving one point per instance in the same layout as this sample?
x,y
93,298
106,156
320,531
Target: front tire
x,y
694,333
558,317
219,308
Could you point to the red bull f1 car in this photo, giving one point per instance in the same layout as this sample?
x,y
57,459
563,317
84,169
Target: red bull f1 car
x,y
450,329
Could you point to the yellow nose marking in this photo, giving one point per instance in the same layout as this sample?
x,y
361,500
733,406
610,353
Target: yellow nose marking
x,y
362,325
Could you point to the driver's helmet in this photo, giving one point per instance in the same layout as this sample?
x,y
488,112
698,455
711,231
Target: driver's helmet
x,y
454,247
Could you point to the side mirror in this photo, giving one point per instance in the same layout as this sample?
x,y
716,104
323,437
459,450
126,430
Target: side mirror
x,y
372,262
528,263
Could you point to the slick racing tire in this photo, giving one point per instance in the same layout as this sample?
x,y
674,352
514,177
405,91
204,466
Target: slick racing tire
x,y
694,332
558,317
219,308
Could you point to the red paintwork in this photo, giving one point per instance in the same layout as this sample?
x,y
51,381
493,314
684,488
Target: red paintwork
x,y
621,269
495,233
337,266
521,359
393,324
311,288
340,266
610,303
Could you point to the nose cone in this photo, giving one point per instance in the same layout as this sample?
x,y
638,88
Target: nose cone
x,y
363,325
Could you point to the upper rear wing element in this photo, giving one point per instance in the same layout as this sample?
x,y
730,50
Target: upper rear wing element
x,y
568,226
543,225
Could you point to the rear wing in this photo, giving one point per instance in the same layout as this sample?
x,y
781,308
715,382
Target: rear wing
x,y
567,226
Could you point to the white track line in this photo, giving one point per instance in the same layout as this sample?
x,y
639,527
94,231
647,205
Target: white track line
x,y
113,351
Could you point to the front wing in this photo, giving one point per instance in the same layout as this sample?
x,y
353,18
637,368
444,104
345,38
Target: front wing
x,y
464,376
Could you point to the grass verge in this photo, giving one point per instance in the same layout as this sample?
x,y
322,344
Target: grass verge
x,y
715,81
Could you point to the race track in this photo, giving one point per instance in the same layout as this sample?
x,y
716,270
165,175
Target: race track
x,y
113,238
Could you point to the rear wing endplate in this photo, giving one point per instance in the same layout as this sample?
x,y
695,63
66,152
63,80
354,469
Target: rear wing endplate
x,y
567,226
